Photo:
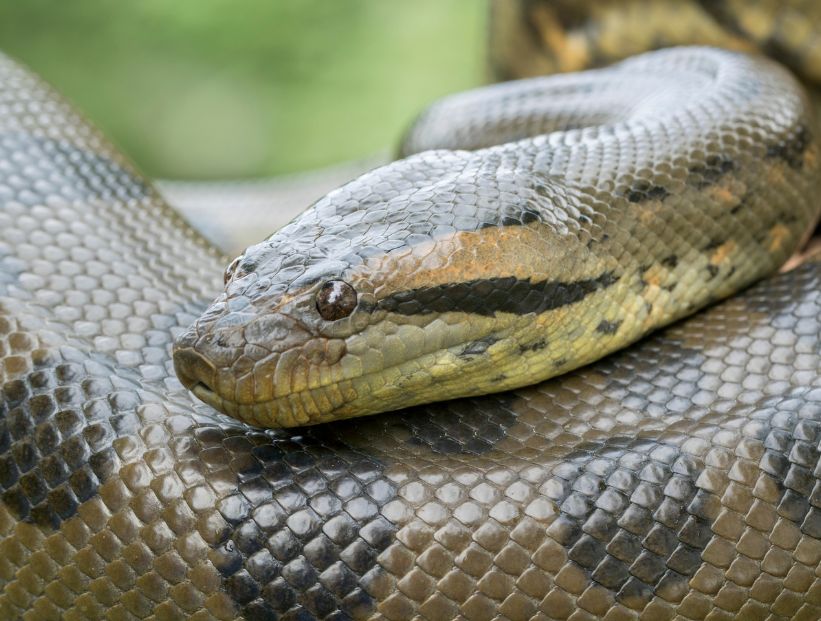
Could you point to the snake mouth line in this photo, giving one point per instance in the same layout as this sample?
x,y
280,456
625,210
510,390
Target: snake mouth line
x,y
200,390
203,393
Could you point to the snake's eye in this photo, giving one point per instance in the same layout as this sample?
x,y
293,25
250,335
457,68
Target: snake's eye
x,y
229,271
336,299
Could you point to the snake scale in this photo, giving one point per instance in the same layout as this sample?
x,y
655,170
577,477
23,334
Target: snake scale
x,y
676,479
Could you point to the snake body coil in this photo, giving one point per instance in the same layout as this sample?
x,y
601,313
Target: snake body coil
x,y
677,479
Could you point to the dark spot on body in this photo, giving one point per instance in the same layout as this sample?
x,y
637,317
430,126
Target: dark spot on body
x,y
534,346
478,347
712,270
633,536
331,515
608,327
50,467
643,191
670,261
487,297
713,169
515,218
792,148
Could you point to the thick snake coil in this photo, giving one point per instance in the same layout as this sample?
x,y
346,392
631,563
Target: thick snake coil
x,y
679,478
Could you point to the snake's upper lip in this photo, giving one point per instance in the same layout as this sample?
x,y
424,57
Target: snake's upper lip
x,y
196,373
200,389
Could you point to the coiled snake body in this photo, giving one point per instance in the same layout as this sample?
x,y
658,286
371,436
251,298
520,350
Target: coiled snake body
x,y
676,479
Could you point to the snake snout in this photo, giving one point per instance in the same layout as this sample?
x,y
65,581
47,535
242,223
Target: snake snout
x,y
194,369
196,373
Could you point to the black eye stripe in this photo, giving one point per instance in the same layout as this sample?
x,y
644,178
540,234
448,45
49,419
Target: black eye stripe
x,y
491,295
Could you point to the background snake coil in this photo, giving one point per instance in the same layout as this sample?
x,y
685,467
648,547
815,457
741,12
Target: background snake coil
x,y
678,478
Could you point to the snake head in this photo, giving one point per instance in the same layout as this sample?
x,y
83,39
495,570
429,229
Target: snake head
x,y
277,333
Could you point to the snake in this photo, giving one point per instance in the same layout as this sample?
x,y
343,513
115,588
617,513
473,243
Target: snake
x,y
533,227
677,478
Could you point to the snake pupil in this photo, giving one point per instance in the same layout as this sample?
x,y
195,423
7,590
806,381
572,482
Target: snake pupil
x,y
336,300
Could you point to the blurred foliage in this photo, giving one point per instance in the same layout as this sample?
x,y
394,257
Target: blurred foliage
x,y
220,88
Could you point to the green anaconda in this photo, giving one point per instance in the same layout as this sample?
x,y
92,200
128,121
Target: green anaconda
x,y
678,478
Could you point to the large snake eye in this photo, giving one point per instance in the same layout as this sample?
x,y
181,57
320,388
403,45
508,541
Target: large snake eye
x,y
229,271
336,299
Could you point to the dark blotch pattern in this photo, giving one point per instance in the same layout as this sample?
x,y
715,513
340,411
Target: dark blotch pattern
x,y
670,261
534,346
477,347
709,173
303,525
792,149
526,216
58,420
644,191
608,327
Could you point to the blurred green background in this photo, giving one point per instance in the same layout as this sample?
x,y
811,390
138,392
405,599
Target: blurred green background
x,y
231,89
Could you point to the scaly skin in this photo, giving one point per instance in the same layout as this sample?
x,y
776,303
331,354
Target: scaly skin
x,y
649,190
677,479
